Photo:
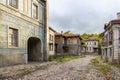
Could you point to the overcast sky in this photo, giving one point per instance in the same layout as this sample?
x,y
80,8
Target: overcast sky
x,y
80,16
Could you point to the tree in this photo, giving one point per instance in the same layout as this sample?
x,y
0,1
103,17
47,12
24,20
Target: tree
x,y
67,32
85,36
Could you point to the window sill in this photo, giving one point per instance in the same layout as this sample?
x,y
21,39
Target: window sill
x,y
13,8
35,19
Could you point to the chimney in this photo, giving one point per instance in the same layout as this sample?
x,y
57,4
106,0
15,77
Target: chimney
x,y
61,32
118,15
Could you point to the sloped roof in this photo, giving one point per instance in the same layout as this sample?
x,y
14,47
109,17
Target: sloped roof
x,y
72,35
68,35
92,39
52,29
115,21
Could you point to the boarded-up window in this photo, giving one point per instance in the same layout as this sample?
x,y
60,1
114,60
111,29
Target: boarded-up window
x,y
35,11
13,37
13,3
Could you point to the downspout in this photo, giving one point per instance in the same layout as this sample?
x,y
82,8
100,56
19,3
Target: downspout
x,y
46,33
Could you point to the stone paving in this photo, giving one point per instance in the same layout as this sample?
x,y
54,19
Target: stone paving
x,y
115,73
78,69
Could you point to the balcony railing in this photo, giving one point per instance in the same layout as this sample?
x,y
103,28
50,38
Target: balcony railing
x,y
104,44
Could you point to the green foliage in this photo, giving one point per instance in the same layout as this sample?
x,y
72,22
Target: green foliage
x,y
67,32
85,36
63,58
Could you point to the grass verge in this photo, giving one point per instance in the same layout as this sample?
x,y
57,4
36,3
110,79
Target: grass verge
x,y
99,65
64,58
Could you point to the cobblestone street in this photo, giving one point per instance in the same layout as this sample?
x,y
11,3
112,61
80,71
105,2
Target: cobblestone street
x,y
78,69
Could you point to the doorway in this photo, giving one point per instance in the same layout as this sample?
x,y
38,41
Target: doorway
x,y
34,49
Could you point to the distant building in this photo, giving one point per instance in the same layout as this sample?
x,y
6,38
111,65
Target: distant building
x,y
68,43
51,41
92,45
111,41
83,48
23,31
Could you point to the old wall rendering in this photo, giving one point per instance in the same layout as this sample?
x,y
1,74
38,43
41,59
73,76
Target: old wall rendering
x,y
23,31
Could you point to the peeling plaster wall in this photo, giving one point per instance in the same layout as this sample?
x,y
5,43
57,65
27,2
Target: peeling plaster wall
x,y
27,27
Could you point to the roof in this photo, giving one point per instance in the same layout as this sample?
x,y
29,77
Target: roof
x,y
115,21
58,34
72,35
52,29
68,35
92,39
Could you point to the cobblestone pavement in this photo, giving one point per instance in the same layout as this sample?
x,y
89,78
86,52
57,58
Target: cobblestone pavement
x,y
78,69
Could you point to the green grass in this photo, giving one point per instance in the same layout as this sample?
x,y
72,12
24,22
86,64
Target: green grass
x,y
64,58
99,65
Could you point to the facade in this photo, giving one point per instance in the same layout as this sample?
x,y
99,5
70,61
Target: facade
x,y
68,43
92,45
111,41
83,48
23,31
51,41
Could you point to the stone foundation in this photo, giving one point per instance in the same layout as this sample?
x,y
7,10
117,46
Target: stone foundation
x,y
12,59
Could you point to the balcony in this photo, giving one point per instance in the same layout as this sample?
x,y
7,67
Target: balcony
x,y
110,42
104,44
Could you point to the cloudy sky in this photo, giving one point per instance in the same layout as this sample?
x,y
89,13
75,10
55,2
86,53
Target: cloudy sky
x,y
80,16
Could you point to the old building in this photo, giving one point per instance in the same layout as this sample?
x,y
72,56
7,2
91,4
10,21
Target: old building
x,y
111,41
83,48
23,31
51,41
92,45
68,43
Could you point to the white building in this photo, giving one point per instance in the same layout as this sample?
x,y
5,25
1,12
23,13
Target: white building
x,y
111,41
51,41
92,45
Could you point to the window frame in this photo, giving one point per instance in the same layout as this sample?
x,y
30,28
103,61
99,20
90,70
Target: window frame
x,y
36,14
11,3
13,44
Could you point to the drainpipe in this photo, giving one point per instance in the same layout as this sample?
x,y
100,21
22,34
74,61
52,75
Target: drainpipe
x,y
46,33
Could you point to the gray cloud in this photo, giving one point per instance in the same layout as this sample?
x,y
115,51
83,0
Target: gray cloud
x,y
81,16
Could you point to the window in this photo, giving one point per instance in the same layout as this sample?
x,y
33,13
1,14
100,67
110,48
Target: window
x,y
51,47
13,3
78,41
50,37
35,11
63,41
13,37
69,41
95,43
